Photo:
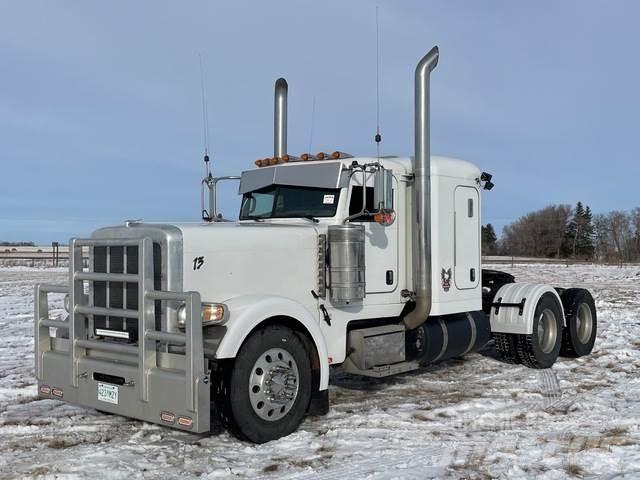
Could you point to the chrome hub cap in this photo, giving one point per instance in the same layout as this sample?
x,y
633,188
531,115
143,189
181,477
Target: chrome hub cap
x,y
547,331
273,384
584,323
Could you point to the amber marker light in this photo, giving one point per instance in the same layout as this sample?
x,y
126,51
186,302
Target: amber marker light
x,y
321,155
212,313
304,157
167,417
185,422
335,155
384,217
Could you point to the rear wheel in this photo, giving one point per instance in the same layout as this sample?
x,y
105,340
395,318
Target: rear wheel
x,y
580,333
506,346
270,385
540,349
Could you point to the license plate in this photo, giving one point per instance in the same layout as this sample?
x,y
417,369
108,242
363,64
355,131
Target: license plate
x,y
108,393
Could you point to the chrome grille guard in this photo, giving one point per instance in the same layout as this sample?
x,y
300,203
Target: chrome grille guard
x,y
79,343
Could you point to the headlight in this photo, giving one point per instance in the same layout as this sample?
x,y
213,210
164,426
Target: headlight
x,y
212,314
67,306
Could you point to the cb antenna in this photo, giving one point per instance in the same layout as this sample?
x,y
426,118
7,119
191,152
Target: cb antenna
x,y
205,120
378,137
313,115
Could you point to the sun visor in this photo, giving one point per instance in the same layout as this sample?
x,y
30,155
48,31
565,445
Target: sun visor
x,y
318,175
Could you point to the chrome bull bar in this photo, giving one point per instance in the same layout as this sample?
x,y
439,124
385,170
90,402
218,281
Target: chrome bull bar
x,y
149,364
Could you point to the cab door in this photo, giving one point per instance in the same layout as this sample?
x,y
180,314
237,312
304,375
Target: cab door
x,y
467,238
381,244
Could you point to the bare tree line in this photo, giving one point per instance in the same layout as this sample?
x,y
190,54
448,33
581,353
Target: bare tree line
x,y
560,231
618,236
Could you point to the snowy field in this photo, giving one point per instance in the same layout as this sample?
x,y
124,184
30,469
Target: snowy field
x,y
466,418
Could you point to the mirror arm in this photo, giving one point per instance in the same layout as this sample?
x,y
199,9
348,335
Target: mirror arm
x,y
212,183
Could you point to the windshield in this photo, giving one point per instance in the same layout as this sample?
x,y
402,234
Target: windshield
x,y
283,201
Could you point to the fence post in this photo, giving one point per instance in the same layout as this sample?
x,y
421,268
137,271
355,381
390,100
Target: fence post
x,y
55,251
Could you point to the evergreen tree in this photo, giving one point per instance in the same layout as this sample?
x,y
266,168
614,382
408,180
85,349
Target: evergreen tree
x,y
571,232
586,235
489,240
579,236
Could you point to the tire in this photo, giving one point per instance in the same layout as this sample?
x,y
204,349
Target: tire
x,y
506,346
580,333
272,363
541,348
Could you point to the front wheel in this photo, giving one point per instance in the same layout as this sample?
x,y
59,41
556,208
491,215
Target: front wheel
x,y
270,385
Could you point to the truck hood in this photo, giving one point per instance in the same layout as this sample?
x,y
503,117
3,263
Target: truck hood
x,y
226,260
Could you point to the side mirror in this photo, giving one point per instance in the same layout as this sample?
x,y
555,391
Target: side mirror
x,y
383,197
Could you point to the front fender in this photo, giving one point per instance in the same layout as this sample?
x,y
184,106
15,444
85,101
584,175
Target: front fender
x,y
248,311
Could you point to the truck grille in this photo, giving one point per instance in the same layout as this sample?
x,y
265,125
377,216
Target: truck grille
x,y
122,295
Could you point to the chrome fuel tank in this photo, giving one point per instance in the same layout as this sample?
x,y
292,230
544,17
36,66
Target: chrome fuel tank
x,y
346,263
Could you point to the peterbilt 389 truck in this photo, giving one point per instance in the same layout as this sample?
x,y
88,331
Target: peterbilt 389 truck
x,y
369,265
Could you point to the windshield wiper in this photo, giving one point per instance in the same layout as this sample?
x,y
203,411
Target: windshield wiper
x,y
309,217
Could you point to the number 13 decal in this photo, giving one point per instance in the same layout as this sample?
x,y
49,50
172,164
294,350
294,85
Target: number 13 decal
x,y
198,262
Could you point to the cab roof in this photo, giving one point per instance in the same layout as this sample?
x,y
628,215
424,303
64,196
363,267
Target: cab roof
x,y
328,173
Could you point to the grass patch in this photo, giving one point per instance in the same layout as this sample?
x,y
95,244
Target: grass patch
x,y
325,449
271,468
474,466
59,444
302,463
617,431
40,471
574,470
421,417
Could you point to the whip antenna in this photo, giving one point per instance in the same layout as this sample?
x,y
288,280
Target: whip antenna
x,y
313,115
205,119
378,137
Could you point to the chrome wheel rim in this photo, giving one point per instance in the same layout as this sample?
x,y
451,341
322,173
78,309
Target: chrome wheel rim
x,y
584,323
547,330
273,384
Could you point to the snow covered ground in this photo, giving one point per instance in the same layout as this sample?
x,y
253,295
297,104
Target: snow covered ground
x,y
472,418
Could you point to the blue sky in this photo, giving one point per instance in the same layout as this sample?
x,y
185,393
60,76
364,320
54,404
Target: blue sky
x,y
100,112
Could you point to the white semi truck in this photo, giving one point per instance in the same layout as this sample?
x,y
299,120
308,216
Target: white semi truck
x,y
370,265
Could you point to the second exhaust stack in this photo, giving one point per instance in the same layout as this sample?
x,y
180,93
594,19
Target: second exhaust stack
x,y
422,194
280,118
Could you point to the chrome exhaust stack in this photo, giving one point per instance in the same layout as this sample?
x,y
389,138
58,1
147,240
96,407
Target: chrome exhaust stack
x,y
421,220
280,118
